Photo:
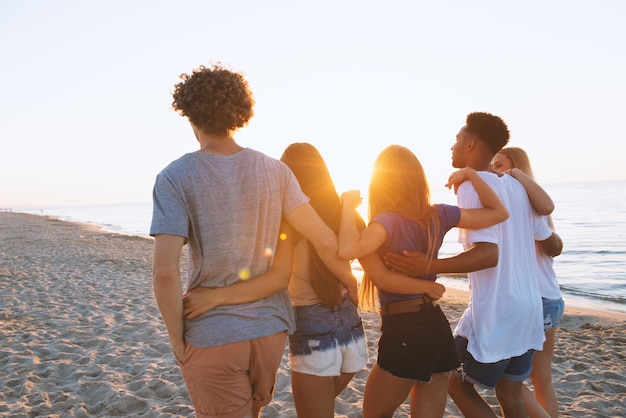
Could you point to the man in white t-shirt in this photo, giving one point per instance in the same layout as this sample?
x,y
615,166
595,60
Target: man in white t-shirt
x,y
502,325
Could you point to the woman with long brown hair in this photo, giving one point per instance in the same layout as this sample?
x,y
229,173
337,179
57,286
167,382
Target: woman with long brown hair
x,y
416,350
328,346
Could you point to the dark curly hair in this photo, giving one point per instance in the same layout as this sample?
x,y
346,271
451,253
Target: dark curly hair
x,y
488,128
216,100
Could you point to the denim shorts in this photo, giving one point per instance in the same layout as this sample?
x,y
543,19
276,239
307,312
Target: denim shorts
x,y
327,341
416,345
486,375
552,313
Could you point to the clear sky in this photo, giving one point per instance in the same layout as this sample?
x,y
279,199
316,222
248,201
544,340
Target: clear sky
x,y
85,106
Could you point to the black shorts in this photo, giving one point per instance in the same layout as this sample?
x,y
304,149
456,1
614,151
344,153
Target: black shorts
x,y
416,345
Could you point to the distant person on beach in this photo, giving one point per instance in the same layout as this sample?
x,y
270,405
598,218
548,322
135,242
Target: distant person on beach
x,y
502,325
226,203
416,350
506,161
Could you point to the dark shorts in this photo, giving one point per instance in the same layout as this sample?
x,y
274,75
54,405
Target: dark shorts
x,y
486,375
416,345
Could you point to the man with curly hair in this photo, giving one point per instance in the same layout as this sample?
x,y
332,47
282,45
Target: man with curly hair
x,y
228,319
503,324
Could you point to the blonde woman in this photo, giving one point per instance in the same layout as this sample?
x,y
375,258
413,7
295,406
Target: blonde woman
x,y
515,161
416,351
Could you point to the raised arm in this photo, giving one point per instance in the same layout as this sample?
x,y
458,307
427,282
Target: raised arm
x,y
352,242
493,210
308,223
539,198
202,299
168,289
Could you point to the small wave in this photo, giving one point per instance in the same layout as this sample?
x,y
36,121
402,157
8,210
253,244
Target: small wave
x,y
593,252
593,295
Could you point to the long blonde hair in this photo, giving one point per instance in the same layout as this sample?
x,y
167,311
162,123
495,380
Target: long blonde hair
x,y
519,159
399,185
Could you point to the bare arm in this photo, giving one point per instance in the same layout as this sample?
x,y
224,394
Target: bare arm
x,y
480,256
363,244
352,242
167,288
493,210
202,299
308,223
551,246
539,199
395,282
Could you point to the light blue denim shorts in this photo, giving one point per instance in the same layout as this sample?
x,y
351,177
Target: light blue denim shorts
x,y
552,313
327,341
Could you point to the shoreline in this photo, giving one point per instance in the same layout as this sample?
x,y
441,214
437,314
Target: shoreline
x,y
450,280
81,334
456,281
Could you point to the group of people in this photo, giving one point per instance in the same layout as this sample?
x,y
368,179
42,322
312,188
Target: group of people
x,y
269,246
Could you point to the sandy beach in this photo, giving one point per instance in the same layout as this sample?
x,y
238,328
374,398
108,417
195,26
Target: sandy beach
x,y
80,335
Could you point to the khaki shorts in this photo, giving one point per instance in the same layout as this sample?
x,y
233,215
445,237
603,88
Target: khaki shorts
x,y
231,379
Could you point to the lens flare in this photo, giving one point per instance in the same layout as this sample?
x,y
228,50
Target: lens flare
x,y
244,274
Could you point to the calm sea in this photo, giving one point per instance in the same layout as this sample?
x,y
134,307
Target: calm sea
x,y
590,217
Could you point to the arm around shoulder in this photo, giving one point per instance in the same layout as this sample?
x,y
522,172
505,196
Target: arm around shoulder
x,y
307,222
539,198
493,211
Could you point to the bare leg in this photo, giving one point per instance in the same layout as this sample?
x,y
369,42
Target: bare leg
x,y
510,397
342,381
471,404
533,408
541,376
429,399
314,396
383,393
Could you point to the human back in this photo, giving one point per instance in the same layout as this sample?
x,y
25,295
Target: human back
x,y
231,314
214,201
501,292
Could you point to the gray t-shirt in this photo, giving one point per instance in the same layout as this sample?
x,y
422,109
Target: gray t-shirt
x,y
229,209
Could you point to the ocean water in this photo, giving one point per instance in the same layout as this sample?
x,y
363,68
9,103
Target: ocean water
x,y
590,217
